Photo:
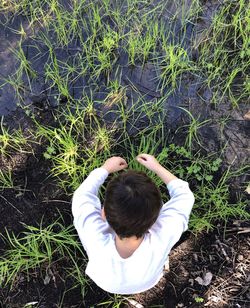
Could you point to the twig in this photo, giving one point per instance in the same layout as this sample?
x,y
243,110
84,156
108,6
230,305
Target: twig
x,y
62,201
219,246
134,303
244,230
240,230
10,204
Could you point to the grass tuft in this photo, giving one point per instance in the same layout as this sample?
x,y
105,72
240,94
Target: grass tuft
x,y
35,247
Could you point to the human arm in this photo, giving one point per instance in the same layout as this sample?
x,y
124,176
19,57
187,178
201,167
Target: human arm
x,y
115,164
182,199
151,163
86,206
96,178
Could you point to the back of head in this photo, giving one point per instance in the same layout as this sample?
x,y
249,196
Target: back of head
x,y
132,204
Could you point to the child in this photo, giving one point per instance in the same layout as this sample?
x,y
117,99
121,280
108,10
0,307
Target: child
x,y
129,239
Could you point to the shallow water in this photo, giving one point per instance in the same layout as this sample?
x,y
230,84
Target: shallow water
x,y
8,40
138,80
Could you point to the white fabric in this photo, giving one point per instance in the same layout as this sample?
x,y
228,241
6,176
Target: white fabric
x,y
143,269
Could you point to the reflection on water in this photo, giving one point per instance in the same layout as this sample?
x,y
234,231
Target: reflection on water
x,y
140,81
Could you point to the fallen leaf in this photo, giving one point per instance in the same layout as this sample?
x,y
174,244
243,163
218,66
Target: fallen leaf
x,y
30,304
247,116
46,280
48,277
215,299
248,189
206,280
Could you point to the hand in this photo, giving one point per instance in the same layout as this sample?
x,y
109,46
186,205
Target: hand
x,y
114,164
149,161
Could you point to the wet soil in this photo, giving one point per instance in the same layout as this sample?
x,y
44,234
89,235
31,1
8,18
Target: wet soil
x,y
9,40
224,253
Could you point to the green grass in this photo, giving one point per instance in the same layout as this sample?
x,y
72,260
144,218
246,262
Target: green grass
x,y
6,179
39,246
101,40
15,141
115,301
173,64
192,130
225,50
75,147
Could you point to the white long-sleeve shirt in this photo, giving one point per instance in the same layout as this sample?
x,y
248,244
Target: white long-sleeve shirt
x,y
144,268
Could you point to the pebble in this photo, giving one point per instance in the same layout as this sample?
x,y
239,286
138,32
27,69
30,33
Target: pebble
x,y
240,258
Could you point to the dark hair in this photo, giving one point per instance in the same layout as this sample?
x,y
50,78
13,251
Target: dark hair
x,y
132,204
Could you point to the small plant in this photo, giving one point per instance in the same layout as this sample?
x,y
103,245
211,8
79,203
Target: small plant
x,y
199,300
142,42
224,55
110,40
212,204
192,130
76,146
54,75
174,63
115,301
117,94
14,141
63,150
6,180
37,246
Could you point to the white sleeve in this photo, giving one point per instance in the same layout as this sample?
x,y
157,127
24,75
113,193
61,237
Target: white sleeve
x,y
86,209
181,202
174,214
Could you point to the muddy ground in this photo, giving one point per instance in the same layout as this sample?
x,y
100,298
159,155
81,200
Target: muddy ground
x,y
209,270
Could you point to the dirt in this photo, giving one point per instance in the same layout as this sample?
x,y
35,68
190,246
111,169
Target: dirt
x,y
201,257
37,197
223,254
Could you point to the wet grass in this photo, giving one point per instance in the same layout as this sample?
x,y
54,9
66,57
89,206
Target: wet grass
x,y
87,48
40,246
6,179
224,52
15,141
99,37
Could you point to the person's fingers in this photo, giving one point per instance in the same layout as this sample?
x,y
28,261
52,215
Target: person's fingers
x,y
139,159
123,165
122,162
142,161
142,158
